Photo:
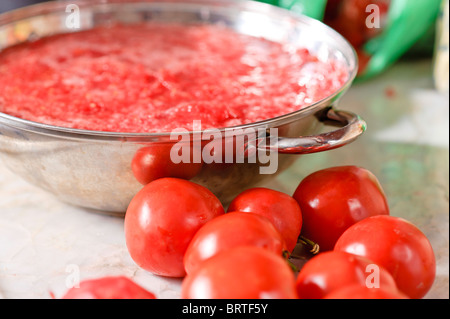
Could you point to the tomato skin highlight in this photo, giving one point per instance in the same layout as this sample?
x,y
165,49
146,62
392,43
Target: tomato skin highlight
x,y
362,292
232,230
110,287
333,199
281,209
244,272
330,271
397,245
162,219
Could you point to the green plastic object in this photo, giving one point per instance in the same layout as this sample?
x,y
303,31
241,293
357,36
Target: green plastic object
x,y
408,23
312,8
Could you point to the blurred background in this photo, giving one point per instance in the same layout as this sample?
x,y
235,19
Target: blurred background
x,y
7,5
381,31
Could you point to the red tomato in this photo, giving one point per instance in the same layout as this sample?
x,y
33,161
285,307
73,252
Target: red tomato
x,y
351,17
330,271
244,272
153,162
229,231
333,199
361,292
162,219
111,287
398,246
281,209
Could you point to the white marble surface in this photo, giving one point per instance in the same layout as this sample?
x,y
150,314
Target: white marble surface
x,y
44,243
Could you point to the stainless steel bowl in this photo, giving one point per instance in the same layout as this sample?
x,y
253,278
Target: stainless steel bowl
x,y
93,169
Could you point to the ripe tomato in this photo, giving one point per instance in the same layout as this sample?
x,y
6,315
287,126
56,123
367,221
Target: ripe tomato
x,y
398,246
111,287
330,271
153,162
244,272
162,219
281,209
362,292
335,198
229,231
350,17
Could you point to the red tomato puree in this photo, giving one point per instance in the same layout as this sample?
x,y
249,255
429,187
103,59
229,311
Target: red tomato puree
x,y
158,77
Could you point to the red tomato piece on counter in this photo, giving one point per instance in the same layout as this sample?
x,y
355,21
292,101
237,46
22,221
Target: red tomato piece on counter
x,y
281,209
335,198
111,287
229,231
162,219
153,162
330,271
244,272
398,246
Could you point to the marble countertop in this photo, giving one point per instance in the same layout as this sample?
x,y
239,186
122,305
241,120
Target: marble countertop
x,y
45,244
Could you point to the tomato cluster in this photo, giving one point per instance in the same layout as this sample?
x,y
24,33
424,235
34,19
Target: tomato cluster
x,y
176,228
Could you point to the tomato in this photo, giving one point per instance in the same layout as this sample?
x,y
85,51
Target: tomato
x,y
330,271
398,246
153,162
244,272
362,292
111,287
229,231
335,198
350,18
281,209
162,219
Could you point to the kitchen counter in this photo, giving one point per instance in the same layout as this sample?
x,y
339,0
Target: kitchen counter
x,y
46,244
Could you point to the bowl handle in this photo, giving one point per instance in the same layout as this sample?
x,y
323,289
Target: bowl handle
x,y
351,127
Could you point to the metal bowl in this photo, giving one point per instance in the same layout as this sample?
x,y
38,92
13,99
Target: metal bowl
x,y
93,169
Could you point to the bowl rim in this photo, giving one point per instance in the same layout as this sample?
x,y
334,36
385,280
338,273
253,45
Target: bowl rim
x,y
72,133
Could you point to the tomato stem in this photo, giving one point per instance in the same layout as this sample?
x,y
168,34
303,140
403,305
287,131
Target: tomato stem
x,y
314,247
